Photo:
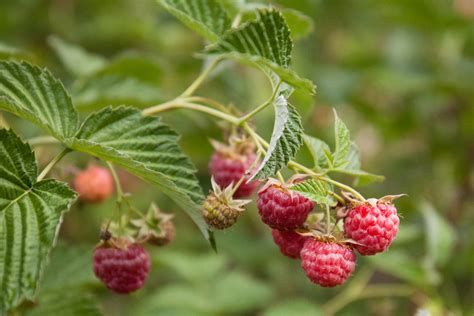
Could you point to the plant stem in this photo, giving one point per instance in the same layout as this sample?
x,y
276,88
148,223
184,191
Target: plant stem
x,y
179,104
328,220
52,163
344,187
261,144
200,79
280,177
259,108
118,185
208,101
42,140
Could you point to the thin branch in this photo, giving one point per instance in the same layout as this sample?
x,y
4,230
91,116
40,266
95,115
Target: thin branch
x,y
52,163
200,79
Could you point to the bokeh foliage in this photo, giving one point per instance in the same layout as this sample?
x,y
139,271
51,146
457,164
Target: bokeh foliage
x,y
399,73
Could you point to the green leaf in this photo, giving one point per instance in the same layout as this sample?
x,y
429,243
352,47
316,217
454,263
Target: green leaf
x,y
440,235
298,307
66,303
75,58
223,290
126,79
412,272
69,267
97,93
10,52
34,94
315,190
146,147
352,168
195,268
300,24
30,215
285,141
353,158
265,42
319,150
343,143
206,17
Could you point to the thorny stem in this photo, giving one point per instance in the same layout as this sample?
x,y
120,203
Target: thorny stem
x,y
200,79
52,163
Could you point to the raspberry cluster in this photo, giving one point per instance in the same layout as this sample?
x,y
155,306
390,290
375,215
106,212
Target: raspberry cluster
x,y
327,259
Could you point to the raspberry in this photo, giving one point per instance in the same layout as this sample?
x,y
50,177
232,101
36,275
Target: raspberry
x,y
220,210
95,184
228,165
372,226
122,270
282,209
289,242
327,263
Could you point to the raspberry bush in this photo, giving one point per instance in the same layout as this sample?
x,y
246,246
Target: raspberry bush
x,y
311,214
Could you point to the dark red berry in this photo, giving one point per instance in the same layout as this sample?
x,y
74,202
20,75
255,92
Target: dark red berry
x,y
372,227
327,263
95,184
289,242
230,168
122,270
282,209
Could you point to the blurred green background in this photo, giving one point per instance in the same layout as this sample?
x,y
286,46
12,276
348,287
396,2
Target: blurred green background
x,y
400,74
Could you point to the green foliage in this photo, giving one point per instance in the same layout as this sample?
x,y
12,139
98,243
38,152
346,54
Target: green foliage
x,y
34,94
315,190
150,151
30,215
100,82
147,148
345,158
207,17
343,143
286,139
71,303
299,24
265,42
75,58
320,152
294,307
222,285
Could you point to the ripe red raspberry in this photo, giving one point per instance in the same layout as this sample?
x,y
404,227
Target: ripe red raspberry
x,y
95,184
229,167
327,263
289,242
122,270
373,226
282,209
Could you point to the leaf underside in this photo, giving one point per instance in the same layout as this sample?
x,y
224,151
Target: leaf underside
x,y
285,141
